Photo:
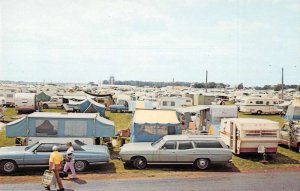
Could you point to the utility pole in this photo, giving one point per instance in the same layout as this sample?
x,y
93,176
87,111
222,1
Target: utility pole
x,y
173,84
206,81
282,85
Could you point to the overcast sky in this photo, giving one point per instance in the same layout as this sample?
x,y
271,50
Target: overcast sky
x,y
88,40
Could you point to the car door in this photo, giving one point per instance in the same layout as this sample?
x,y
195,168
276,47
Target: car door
x,y
166,153
185,152
40,155
211,149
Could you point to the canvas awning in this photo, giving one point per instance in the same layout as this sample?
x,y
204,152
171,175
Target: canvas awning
x,y
155,116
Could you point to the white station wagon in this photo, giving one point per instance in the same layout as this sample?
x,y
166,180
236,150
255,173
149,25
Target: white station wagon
x,y
200,150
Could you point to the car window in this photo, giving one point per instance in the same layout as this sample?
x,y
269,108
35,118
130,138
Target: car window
x,y
185,145
46,147
62,148
208,144
170,145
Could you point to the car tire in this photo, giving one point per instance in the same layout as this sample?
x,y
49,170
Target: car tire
x,y
140,163
259,112
80,165
45,106
8,166
202,164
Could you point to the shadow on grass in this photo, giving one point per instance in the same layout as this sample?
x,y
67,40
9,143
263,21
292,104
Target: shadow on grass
x,y
271,158
188,168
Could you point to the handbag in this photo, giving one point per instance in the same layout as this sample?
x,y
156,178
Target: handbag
x,y
48,178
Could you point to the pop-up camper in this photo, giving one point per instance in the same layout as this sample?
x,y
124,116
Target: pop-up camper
x,y
47,124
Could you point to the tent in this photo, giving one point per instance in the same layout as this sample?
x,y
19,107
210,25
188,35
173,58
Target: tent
x,y
49,124
91,106
151,125
43,97
293,111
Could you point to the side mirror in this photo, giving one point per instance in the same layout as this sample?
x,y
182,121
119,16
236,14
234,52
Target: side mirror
x,y
163,148
34,151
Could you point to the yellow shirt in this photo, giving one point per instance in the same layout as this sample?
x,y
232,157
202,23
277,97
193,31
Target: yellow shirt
x,y
55,158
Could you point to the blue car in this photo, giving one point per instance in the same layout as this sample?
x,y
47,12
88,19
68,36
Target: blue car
x,y
37,155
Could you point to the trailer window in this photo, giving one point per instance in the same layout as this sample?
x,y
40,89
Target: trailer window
x,y
259,102
265,133
207,144
252,133
10,95
172,103
165,103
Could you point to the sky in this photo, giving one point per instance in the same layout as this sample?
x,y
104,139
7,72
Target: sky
x,y
237,41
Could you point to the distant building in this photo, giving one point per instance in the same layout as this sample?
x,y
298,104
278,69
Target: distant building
x,y
111,80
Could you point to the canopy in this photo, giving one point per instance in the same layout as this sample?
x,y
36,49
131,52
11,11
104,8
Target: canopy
x,y
155,116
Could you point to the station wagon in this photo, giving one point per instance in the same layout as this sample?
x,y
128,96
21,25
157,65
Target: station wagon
x,y
200,150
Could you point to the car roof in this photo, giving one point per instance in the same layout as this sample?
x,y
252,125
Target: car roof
x,y
189,137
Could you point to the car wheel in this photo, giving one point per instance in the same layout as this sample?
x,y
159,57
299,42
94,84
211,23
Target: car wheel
x,y
45,106
140,163
259,112
80,165
202,164
8,167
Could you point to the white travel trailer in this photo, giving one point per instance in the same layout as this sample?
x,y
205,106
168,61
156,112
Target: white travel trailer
x,y
250,135
260,105
8,93
174,102
25,102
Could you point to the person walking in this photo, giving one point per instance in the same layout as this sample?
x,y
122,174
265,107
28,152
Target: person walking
x,y
70,160
55,165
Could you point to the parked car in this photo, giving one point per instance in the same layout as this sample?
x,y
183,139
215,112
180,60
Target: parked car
x,y
56,102
37,155
285,136
200,150
118,108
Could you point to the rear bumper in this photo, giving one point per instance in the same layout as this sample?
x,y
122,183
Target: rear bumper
x,y
255,150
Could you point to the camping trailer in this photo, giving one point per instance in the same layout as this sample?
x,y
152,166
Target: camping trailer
x,y
173,103
25,102
43,125
260,105
250,135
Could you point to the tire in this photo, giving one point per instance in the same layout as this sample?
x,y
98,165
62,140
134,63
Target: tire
x,y
80,165
202,164
45,106
8,166
259,112
140,163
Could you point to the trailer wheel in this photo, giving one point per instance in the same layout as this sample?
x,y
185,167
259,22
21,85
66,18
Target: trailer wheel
x,y
140,163
202,164
259,112
45,106
8,166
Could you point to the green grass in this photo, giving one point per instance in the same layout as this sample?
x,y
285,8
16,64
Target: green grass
x,y
6,141
122,120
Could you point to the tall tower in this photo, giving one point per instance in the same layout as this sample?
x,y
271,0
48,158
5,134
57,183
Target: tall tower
x,y
111,80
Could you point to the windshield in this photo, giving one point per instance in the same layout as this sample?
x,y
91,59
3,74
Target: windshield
x,y
27,148
155,143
